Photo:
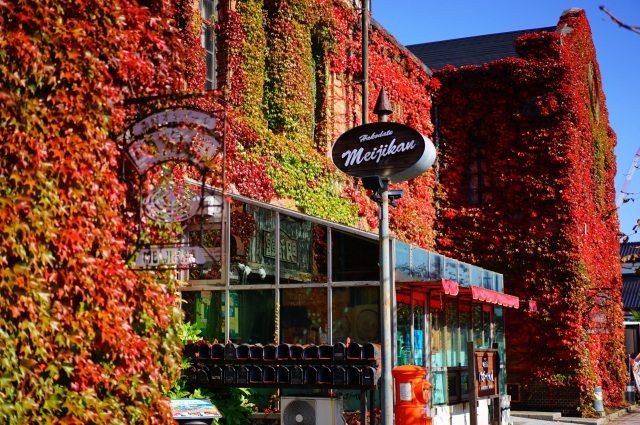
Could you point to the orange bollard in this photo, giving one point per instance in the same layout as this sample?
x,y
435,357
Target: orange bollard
x,y
411,394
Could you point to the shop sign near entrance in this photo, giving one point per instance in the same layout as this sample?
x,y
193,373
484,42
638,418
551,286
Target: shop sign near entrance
x,y
157,146
172,135
288,247
170,257
487,368
393,151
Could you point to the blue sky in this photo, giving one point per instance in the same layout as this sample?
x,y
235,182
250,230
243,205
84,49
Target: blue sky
x,y
617,50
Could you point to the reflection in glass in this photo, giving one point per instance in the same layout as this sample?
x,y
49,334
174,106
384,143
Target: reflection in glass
x,y
476,276
497,282
453,343
355,314
418,335
465,331
436,266
303,316
403,261
464,274
420,264
406,354
478,338
209,237
487,327
403,335
487,279
252,316
464,385
303,251
500,339
354,258
451,269
252,245
437,334
206,310
452,383
438,393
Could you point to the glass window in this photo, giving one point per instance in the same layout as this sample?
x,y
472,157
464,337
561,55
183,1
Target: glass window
x,y
205,309
437,334
403,261
476,276
354,258
487,279
498,318
498,282
464,274
439,391
418,335
252,316
208,13
478,338
209,237
453,384
451,269
355,313
403,335
252,245
465,331
487,327
464,384
420,264
453,341
303,316
436,266
303,251
204,231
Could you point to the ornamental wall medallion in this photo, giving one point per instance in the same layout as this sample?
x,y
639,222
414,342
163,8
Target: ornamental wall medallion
x,y
179,220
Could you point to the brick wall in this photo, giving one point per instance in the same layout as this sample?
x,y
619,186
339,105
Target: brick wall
x,y
540,397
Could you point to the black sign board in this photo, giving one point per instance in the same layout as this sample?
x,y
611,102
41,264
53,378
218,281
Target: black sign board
x,y
393,151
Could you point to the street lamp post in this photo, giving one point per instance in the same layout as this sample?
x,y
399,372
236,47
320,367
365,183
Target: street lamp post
x,y
379,154
383,110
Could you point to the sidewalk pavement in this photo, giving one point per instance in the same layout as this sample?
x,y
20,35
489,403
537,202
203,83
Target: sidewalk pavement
x,y
628,416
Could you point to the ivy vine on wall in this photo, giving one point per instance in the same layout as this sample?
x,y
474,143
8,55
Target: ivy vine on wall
x,y
528,170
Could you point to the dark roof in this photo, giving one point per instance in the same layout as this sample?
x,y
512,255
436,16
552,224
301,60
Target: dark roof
x,y
630,291
400,47
476,50
628,248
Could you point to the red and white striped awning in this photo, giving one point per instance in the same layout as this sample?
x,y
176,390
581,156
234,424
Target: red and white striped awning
x,y
449,287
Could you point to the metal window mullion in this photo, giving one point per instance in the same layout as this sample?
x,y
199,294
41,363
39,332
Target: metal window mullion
x,y
277,273
412,327
329,287
226,264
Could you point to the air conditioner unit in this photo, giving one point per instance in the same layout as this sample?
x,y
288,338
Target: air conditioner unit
x,y
311,411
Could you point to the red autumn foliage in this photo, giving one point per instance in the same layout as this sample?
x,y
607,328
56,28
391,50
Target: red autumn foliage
x,y
535,134
84,339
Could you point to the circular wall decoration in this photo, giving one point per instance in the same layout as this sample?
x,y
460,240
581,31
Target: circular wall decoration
x,y
171,203
367,325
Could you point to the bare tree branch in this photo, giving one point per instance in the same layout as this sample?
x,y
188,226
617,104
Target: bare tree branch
x,y
619,22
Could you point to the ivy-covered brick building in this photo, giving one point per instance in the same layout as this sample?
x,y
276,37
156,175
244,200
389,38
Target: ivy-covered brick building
x,y
526,166
523,183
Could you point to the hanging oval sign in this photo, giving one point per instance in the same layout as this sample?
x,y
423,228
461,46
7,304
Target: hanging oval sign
x,y
393,151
